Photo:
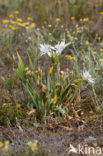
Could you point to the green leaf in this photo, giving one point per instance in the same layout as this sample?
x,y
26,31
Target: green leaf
x,y
78,82
64,94
30,63
33,95
21,69
48,81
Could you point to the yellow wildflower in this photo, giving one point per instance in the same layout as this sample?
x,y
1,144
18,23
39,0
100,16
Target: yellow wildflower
x,y
55,98
72,18
13,22
5,21
68,57
21,24
19,20
16,12
32,25
101,49
100,60
87,43
94,52
26,23
12,27
29,19
79,31
26,69
33,145
69,35
11,15
97,69
101,13
57,19
51,70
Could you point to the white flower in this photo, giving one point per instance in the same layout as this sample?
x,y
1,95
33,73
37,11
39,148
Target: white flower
x,y
45,49
88,77
60,47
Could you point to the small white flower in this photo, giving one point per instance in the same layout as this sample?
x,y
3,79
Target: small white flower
x,y
60,47
45,49
88,77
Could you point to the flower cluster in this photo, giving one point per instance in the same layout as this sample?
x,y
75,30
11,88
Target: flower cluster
x,y
57,49
15,22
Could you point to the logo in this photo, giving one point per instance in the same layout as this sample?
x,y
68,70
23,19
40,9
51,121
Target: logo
x,y
85,149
